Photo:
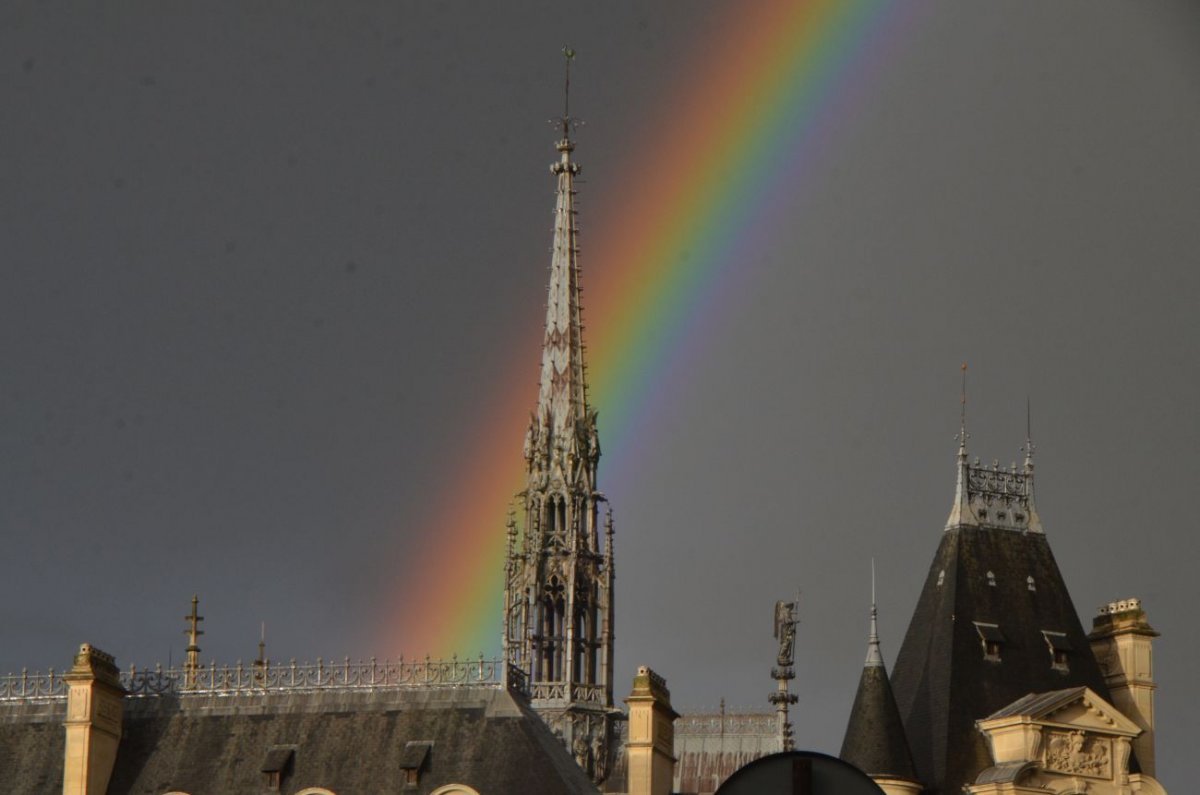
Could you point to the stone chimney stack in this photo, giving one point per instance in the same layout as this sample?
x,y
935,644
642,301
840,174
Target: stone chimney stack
x,y
94,712
1122,641
651,743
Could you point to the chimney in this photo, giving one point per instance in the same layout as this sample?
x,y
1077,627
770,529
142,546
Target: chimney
x,y
93,724
651,743
1122,642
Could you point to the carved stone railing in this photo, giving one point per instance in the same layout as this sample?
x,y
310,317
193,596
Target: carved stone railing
x,y
33,687
292,676
557,691
759,723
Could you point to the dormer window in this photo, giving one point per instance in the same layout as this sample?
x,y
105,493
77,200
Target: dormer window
x,y
991,639
412,761
276,766
1030,584
1060,650
941,577
991,575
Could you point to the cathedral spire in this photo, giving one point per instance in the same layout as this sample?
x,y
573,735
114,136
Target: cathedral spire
x,y
558,599
562,398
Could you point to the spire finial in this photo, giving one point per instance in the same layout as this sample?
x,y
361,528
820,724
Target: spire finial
x,y
962,415
874,656
568,56
1029,445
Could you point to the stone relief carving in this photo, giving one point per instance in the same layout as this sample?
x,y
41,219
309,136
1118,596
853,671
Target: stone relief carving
x,y
581,750
600,756
1077,753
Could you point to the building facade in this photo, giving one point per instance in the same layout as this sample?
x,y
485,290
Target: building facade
x,y
998,688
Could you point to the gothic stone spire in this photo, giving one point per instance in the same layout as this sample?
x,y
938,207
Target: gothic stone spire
x,y
558,600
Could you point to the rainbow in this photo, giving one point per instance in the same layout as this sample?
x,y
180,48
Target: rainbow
x,y
769,84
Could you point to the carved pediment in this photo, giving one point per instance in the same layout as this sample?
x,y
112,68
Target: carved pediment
x,y
1084,709
1075,708
1096,715
1046,737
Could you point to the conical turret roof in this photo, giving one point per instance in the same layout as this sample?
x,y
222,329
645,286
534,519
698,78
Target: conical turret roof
x,y
875,742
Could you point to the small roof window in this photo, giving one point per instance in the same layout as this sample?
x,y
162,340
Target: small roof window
x,y
276,765
412,760
1057,641
1060,649
991,638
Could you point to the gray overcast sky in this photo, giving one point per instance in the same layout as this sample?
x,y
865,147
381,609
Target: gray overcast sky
x,y
259,258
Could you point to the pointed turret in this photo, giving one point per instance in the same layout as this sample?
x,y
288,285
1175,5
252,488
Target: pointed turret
x,y
875,742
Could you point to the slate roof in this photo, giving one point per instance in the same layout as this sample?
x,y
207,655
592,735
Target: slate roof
x,y
32,746
942,682
875,742
351,742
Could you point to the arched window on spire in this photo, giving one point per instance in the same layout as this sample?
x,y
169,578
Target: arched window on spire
x,y
553,629
579,664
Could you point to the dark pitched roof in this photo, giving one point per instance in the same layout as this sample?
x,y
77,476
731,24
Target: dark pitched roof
x,y
942,681
32,745
875,742
347,741
354,742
